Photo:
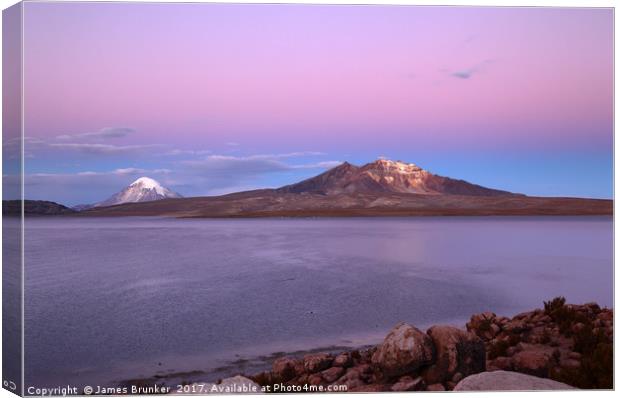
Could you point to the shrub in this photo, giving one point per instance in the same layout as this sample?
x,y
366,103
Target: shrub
x,y
564,316
596,367
553,305
595,371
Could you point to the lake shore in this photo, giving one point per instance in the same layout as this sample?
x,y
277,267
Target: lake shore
x,y
566,343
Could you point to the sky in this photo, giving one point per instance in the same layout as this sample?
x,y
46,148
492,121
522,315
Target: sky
x,y
216,98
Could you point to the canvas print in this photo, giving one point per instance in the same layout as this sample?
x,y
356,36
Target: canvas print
x,y
204,198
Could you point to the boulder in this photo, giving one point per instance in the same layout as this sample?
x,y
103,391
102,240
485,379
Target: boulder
x,y
343,360
404,349
408,383
364,372
533,359
516,326
284,368
317,362
569,363
500,363
606,315
302,379
351,379
577,327
356,376
508,381
315,379
457,351
436,387
332,374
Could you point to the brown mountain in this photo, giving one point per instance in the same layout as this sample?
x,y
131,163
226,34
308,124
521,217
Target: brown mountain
x,y
387,176
381,188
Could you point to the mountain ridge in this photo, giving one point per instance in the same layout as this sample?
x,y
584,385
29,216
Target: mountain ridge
x,y
385,175
381,188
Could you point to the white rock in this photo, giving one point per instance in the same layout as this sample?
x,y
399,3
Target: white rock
x,y
501,380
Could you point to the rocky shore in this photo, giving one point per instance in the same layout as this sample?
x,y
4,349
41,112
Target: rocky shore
x,y
561,346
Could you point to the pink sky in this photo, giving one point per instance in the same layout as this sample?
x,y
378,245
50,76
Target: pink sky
x,y
345,80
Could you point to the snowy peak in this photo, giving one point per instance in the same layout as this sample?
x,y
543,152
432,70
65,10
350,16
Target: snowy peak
x,y
148,183
144,189
145,182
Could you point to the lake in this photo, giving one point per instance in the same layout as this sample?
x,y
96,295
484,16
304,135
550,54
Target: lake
x,y
109,299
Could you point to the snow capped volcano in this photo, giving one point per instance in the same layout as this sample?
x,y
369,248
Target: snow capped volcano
x,y
144,189
148,183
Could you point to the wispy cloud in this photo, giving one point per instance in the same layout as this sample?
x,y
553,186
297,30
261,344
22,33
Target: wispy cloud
x,y
274,155
464,74
224,173
319,165
105,149
467,73
259,163
123,172
233,166
12,147
191,152
106,132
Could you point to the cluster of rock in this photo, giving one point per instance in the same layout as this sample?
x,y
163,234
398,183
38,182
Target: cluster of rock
x,y
557,343
409,359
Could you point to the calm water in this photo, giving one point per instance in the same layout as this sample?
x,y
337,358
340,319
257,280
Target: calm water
x,y
111,299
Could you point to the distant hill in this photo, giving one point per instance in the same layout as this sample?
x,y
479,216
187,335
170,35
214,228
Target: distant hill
x,y
34,208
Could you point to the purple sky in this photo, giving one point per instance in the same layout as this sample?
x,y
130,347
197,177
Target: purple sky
x,y
217,98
